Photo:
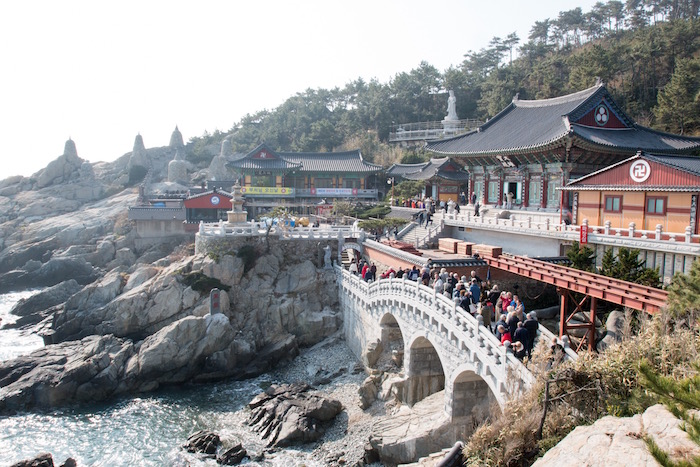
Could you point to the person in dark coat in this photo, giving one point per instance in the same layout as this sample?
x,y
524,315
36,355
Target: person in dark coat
x,y
520,334
532,325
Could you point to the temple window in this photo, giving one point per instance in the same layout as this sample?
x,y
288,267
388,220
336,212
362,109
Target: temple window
x,y
613,203
656,205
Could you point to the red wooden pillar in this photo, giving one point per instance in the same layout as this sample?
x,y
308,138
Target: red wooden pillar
x,y
591,330
563,297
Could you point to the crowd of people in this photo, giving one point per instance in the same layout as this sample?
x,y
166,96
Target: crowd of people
x,y
502,312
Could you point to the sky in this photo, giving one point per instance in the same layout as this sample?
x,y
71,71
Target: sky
x,y
102,72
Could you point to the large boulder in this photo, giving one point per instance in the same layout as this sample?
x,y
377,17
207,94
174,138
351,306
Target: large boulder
x,y
291,413
620,441
47,298
52,272
614,327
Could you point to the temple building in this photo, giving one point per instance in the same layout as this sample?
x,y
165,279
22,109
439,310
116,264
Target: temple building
x,y
304,183
532,148
444,179
652,192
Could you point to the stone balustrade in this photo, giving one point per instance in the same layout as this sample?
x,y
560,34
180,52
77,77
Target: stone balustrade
x,y
461,341
256,229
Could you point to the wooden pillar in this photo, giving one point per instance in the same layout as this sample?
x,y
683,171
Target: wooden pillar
x,y
526,190
591,330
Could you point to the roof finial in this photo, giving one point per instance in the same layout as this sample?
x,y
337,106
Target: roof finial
x,y
516,97
599,81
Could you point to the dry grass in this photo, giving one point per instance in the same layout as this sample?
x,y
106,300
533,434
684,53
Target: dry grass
x,y
593,386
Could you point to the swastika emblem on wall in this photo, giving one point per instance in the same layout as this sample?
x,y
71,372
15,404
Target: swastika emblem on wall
x,y
602,115
640,171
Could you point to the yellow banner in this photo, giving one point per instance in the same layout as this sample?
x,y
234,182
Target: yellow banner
x,y
267,190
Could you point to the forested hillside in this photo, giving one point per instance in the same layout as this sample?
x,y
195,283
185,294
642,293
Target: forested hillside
x,y
646,52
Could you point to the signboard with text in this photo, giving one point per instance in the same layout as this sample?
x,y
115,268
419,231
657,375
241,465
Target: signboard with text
x,y
334,191
584,234
267,190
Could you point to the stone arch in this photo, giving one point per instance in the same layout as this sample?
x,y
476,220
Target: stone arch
x,y
425,373
351,246
471,398
392,339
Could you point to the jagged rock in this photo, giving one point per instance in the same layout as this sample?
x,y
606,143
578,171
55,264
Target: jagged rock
x,y
613,329
53,272
298,278
368,391
372,353
204,442
47,298
42,460
140,276
59,374
232,456
619,441
291,413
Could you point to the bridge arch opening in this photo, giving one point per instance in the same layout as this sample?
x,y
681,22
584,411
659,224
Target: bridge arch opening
x,y
471,399
425,375
392,344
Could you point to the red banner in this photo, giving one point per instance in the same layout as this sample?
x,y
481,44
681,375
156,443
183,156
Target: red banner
x,y
584,234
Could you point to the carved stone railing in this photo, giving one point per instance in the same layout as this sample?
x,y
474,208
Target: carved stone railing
x,y
456,332
657,239
256,229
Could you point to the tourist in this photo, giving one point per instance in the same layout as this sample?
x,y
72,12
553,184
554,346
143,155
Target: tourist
x,y
457,208
438,284
521,334
475,291
493,295
557,353
364,269
487,314
474,276
501,323
476,209
519,307
519,350
400,273
473,198
420,219
532,327
511,319
353,267
509,197
505,335
429,219
506,301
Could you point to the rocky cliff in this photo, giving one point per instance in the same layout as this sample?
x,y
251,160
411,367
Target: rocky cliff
x,y
119,319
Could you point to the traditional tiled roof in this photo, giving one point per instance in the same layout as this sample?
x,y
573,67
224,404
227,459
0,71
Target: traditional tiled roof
x,y
443,168
530,126
399,170
209,192
348,161
688,164
264,158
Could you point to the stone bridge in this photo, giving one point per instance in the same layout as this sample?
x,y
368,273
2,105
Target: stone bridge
x,y
444,346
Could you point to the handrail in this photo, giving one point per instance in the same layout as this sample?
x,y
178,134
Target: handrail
x,y
461,329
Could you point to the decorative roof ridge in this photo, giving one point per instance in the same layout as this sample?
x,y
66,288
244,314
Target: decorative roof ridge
x,y
579,95
665,133
604,128
663,160
495,118
210,192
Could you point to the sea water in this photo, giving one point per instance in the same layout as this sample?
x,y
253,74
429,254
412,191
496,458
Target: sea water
x,y
137,431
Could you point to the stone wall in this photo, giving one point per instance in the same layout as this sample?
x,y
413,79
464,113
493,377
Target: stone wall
x,y
311,249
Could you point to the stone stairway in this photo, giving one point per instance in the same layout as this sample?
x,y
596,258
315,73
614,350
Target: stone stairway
x,y
436,459
418,234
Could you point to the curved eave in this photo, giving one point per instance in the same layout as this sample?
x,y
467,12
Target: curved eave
x,y
585,143
677,189
553,143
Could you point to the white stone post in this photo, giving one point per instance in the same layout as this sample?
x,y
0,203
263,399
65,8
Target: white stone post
x,y
607,227
688,234
631,229
546,224
659,228
201,227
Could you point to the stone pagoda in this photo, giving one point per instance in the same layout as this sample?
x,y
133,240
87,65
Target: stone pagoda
x,y
237,215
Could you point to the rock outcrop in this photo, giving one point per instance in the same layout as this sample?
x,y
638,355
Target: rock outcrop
x,y
44,460
620,441
99,367
291,413
31,309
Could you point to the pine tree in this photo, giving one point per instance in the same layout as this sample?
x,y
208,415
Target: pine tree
x,y
684,294
581,258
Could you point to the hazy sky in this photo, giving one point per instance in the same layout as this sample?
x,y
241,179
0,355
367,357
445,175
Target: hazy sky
x,y
101,72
